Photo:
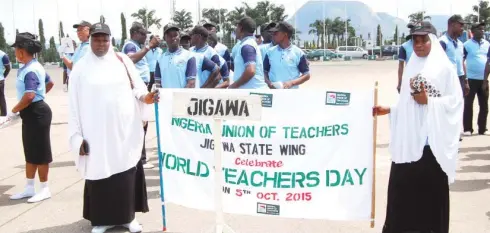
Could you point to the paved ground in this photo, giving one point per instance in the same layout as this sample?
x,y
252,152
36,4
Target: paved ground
x,y
470,208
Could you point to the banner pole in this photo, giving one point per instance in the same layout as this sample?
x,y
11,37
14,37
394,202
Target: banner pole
x,y
160,168
218,200
375,132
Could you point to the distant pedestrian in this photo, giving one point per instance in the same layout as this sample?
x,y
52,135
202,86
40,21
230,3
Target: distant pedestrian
x,y
185,41
206,56
4,72
152,57
83,33
404,54
268,42
285,65
454,48
33,83
477,57
220,48
106,136
223,69
136,50
248,63
259,39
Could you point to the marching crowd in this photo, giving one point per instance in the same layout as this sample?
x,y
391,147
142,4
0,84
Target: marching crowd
x,y
111,93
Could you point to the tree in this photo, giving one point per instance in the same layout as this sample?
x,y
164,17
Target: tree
x,y
403,39
183,19
4,46
379,37
3,41
418,17
317,28
147,18
42,39
113,42
102,19
61,32
16,31
483,11
395,36
124,34
51,54
213,15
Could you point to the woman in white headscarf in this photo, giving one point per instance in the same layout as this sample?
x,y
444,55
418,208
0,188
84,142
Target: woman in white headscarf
x,y
425,128
106,135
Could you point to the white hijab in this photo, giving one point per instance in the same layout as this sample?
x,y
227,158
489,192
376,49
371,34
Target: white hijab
x,y
440,120
104,111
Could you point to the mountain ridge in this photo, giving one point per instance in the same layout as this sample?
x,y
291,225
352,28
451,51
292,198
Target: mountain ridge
x,y
363,18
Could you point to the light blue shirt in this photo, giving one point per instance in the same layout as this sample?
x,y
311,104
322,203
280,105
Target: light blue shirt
x,y
263,49
209,53
406,51
175,69
454,51
221,49
80,52
257,81
142,65
23,85
152,57
476,58
285,64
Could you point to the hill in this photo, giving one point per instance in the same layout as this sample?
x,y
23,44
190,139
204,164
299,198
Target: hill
x,y
362,17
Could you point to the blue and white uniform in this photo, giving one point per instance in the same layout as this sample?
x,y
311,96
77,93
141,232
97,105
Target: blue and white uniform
x,y
142,65
248,53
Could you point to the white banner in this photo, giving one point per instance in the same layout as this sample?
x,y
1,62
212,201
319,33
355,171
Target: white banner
x,y
309,157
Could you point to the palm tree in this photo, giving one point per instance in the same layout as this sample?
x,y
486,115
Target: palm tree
x,y
328,26
418,17
183,19
213,15
147,18
317,28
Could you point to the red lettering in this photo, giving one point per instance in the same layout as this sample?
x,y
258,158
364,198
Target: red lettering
x,y
257,163
267,196
298,197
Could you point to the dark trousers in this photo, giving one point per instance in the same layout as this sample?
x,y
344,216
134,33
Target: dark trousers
x,y
143,151
3,103
476,90
152,81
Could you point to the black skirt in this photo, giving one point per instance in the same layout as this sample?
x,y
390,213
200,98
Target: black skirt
x,y
115,200
36,126
418,197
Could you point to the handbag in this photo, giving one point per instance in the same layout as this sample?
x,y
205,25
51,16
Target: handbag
x,y
142,107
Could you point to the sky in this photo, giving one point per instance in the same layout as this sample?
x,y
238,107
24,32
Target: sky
x,y
24,14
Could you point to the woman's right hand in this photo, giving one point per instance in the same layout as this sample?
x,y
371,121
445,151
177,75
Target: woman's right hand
x,y
380,110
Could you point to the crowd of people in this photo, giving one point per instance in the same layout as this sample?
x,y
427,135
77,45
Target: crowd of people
x,y
110,95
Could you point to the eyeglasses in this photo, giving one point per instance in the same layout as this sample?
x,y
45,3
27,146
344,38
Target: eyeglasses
x,y
81,30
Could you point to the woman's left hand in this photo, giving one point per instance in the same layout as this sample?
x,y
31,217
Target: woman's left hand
x,y
152,97
421,97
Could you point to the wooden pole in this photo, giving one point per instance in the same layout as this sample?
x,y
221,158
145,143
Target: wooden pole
x,y
375,131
